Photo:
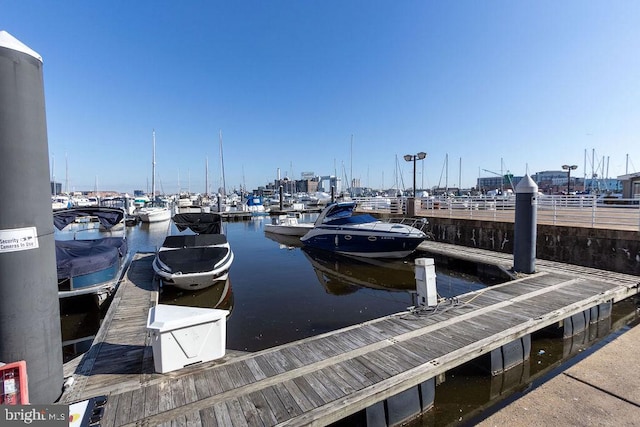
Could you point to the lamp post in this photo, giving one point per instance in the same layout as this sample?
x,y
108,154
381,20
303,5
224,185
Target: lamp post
x,y
411,206
413,157
569,169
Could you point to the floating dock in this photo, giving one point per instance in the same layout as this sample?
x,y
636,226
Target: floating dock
x,y
385,367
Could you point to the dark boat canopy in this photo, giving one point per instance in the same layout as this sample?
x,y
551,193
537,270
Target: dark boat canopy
x,y
108,217
79,257
199,222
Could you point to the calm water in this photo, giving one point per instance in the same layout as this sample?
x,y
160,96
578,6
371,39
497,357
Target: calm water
x,y
278,293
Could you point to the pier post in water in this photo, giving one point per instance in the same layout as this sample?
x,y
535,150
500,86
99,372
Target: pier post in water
x,y
425,273
29,305
524,240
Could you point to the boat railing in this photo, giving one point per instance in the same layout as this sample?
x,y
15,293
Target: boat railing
x,y
582,210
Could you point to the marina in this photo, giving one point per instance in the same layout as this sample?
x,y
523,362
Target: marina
x,y
306,286
327,377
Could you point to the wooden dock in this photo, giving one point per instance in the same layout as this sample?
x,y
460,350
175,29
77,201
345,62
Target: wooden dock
x,y
324,378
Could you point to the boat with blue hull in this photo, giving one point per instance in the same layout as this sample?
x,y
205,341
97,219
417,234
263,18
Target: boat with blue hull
x,y
91,250
339,230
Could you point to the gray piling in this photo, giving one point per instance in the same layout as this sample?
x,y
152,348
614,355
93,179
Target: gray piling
x,y
29,306
524,240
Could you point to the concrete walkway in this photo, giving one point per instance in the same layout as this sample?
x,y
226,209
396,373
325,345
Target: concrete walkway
x,y
601,390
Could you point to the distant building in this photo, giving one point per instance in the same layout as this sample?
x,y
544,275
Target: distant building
x,y
630,185
56,187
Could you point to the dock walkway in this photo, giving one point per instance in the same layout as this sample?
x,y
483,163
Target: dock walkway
x,y
325,378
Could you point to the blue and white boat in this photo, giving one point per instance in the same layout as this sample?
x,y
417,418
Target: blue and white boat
x,y
255,205
91,250
339,230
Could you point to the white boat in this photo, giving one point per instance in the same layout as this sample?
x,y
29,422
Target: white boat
x,y
338,230
288,225
194,261
154,212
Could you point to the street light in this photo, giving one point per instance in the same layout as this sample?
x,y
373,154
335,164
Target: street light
x,y
569,169
413,157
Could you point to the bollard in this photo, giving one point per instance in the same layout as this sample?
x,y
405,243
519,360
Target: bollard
x,y
425,271
524,240
29,305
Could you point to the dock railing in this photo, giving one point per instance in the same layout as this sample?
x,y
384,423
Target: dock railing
x,y
590,211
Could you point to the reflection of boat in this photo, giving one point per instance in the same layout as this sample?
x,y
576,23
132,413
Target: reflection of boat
x,y
88,261
194,261
340,274
219,296
337,229
288,225
285,241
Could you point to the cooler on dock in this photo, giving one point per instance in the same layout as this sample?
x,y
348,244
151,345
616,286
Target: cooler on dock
x,y
182,336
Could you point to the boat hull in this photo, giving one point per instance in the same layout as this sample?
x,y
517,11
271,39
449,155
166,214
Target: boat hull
x,y
362,243
193,268
288,230
154,215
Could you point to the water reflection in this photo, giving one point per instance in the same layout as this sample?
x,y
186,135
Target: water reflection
x,y
219,296
284,241
80,320
341,275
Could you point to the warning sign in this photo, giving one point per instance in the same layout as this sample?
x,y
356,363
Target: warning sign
x,y
18,239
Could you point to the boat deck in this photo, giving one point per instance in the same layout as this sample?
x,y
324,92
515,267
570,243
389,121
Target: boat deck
x,y
324,378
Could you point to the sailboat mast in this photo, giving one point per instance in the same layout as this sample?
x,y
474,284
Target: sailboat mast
x,y
53,173
66,173
224,185
206,176
153,167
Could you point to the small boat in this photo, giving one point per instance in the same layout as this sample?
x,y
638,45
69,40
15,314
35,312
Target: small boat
x,y
255,206
197,260
90,260
288,225
154,212
338,230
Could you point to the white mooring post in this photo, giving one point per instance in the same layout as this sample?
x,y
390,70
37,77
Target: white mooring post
x,y
426,282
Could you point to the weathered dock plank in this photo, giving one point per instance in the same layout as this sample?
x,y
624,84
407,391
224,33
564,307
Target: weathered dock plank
x,y
324,378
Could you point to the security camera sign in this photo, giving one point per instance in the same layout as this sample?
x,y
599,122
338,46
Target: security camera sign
x,y
18,239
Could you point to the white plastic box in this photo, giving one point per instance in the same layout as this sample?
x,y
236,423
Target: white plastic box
x,y
182,336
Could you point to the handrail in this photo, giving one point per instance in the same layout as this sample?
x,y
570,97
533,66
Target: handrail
x,y
590,211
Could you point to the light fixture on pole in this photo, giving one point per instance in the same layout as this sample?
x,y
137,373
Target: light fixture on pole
x,y
569,169
413,157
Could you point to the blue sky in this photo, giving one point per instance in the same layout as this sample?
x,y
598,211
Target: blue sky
x,y
495,85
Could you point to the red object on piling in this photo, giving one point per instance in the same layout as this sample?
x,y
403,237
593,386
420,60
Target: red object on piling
x,y
14,388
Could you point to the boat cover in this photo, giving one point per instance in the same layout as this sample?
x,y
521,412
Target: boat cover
x,y
193,260
199,222
78,257
108,217
194,240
